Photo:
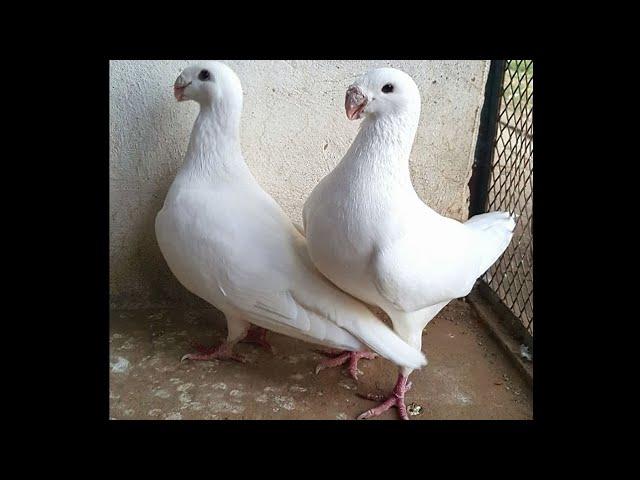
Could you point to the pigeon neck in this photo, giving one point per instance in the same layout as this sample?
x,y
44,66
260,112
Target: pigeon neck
x,y
383,146
214,147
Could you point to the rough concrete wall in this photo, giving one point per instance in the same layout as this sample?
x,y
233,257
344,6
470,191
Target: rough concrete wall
x,y
293,132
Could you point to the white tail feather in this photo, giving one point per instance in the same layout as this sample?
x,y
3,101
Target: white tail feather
x,y
495,230
383,340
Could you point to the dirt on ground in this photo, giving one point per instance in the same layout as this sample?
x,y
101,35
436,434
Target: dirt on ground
x,y
468,376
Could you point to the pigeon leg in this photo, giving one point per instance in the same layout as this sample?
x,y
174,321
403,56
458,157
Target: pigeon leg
x,y
258,335
237,329
341,357
396,399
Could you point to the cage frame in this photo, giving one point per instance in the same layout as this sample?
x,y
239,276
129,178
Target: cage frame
x,y
480,186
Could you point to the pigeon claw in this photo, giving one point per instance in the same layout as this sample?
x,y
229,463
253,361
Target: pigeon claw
x,y
258,336
396,399
340,358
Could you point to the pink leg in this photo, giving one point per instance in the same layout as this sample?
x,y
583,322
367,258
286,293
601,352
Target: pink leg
x,y
340,357
224,351
258,336
396,399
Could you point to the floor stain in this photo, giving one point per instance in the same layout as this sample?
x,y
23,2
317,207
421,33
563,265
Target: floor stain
x,y
468,376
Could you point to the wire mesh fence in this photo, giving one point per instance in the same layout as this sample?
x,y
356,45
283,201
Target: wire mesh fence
x,y
509,187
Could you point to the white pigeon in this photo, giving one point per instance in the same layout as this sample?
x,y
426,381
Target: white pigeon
x,y
371,235
227,241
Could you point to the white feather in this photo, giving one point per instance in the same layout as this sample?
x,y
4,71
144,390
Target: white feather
x,y
369,232
227,241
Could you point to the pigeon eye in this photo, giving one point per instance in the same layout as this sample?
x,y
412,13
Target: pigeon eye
x,y
204,75
388,88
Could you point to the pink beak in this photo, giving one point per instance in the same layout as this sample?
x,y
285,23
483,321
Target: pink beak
x,y
178,90
355,102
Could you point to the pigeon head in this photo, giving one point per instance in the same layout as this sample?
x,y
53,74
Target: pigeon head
x,y
382,92
208,83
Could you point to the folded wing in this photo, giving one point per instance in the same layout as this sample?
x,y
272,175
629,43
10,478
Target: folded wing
x,y
440,260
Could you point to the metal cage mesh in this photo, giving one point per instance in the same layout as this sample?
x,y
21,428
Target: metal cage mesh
x,y
511,189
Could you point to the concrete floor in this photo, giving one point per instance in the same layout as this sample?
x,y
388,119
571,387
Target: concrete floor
x,y
468,376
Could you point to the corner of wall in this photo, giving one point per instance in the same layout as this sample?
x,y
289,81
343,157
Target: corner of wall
x,y
474,134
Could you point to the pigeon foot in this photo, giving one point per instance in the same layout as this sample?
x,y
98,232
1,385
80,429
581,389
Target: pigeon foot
x,y
396,399
258,335
341,357
223,351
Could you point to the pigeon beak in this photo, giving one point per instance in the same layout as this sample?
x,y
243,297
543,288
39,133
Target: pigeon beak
x,y
355,102
178,92
178,89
